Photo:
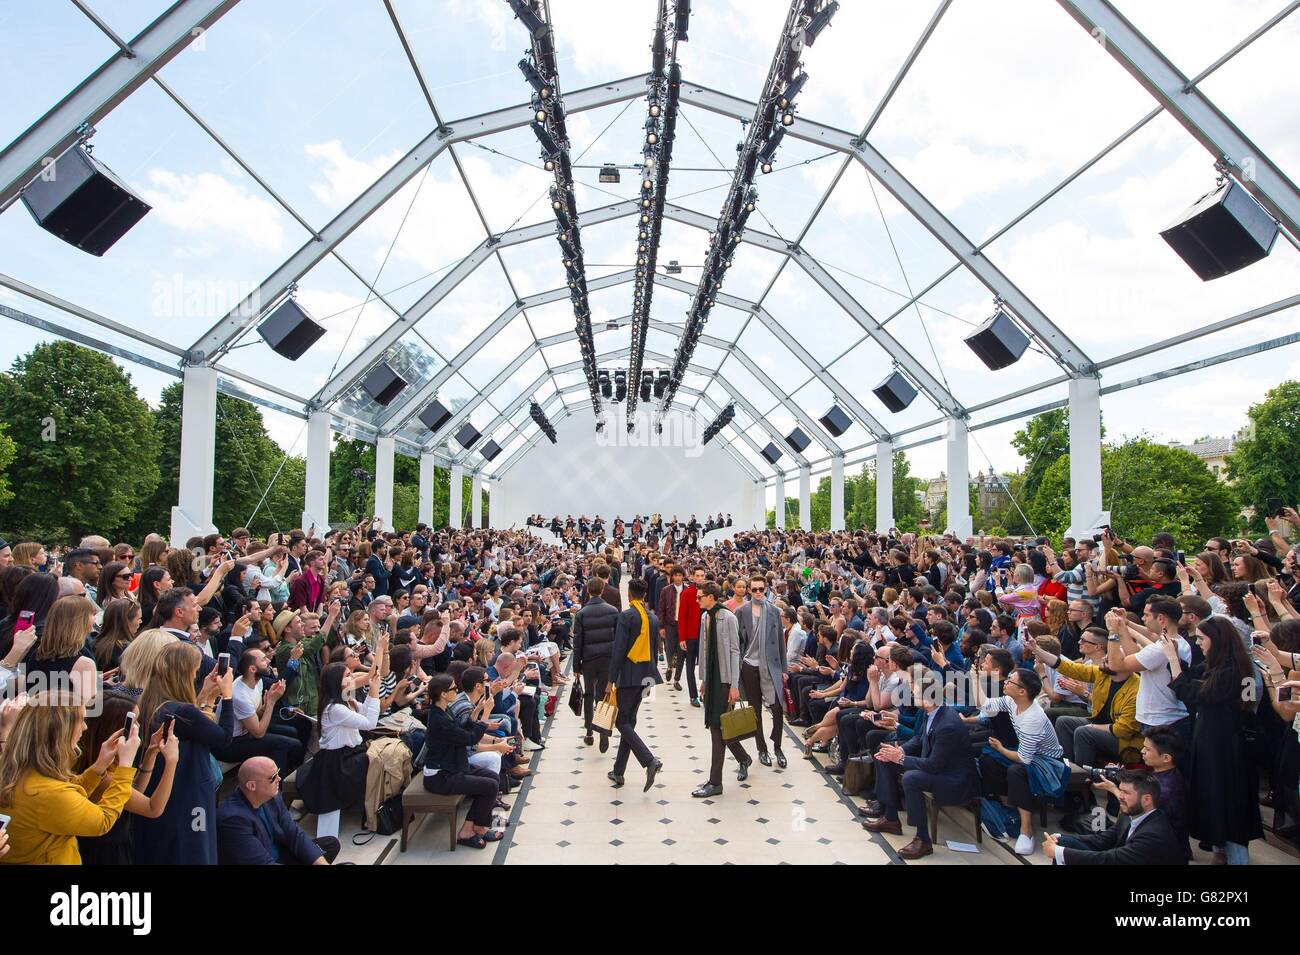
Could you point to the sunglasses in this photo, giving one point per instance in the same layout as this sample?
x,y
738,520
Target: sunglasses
x,y
126,576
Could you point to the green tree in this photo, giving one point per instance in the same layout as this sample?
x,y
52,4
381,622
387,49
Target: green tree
x,y
248,480
8,451
85,445
1044,438
1148,487
1266,462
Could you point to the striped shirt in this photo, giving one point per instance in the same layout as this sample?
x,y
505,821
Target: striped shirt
x,y
1034,732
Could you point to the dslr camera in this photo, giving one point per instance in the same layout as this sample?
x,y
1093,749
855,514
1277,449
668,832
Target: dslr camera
x,y
1096,775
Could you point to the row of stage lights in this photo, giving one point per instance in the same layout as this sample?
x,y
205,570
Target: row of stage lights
x,y
776,111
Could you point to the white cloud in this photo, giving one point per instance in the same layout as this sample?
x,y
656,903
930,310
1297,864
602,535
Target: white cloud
x,y
209,204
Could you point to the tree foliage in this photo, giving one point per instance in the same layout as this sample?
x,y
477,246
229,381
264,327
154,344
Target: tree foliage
x,y
1147,487
85,447
1266,462
1044,438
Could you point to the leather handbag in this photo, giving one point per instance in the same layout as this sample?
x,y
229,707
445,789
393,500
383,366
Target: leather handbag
x,y
575,696
739,722
606,712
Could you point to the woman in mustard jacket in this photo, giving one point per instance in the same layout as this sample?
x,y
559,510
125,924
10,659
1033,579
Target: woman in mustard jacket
x,y
47,804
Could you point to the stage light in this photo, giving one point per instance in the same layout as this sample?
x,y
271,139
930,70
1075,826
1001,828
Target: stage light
x,y
609,173
526,15
792,91
535,79
787,119
549,147
683,17
819,23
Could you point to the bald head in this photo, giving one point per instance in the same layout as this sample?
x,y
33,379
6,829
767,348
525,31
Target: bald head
x,y
255,767
259,780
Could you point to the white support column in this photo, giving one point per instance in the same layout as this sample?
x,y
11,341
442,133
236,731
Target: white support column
x,y
1085,456
757,509
454,518
805,498
476,500
384,449
426,488
884,486
316,499
959,519
837,492
192,515
780,500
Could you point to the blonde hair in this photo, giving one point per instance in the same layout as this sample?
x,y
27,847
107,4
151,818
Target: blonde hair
x,y
43,740
1049,643
140,657
67,625
172,679
152,553
1056,609
25,553
483,651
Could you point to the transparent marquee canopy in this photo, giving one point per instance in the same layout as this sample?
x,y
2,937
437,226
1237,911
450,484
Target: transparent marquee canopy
x,y
374,159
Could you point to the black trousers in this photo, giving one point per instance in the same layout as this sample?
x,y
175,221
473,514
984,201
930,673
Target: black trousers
x,y
688,659
283,748
802,685
326,844
1010,781
915,784
529,722
595,679
476,782
751,688
718,754
629,701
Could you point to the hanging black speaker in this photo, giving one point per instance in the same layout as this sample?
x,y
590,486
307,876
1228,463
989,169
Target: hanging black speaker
x,y
78,199
835,421
467,436
1225,230
895,392
797,440
435,415
772,453
998,342
383,384
490,450
289,330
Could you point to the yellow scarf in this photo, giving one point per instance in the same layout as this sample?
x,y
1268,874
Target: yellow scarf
x,y
640,652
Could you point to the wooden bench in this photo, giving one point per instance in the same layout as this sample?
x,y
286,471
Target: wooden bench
x,y
932,812
417,800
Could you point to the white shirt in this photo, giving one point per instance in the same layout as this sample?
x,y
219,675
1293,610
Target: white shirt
x,y
794,644
246,701
1156,703
341,725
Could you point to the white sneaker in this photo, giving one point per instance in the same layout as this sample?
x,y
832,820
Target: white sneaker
x,y
1024,845
531,747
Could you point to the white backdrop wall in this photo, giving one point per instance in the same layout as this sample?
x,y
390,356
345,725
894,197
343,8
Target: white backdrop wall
x,y
579,475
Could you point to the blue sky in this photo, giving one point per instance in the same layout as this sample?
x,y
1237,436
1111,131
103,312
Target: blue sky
x,y
1006,100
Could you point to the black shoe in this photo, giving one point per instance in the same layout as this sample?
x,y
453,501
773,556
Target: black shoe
x,y
836,770
800,721
615,778
695,701
743,772
708,789
780,759
677,684
589,740
650,772
872,809
604,742
765,759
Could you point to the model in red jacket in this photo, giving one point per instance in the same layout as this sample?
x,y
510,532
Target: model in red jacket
x,y
688,635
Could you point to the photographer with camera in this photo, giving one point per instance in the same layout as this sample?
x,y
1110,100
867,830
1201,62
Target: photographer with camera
x,y
1143,834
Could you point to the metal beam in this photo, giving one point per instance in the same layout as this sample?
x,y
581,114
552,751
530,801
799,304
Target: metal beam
x,y
1192,108
244,315
100,93
1068,354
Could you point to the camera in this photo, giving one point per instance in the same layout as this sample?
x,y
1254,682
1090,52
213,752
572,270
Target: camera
x,y
1096,775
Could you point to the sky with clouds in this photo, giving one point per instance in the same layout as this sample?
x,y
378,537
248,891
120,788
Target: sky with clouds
x,y
1006,100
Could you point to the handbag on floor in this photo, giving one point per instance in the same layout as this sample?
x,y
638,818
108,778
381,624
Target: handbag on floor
x,y
606,712
859,776
739,722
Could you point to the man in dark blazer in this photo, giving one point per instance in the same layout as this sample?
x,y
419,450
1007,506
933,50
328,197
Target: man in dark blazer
x,y
666,607
1142,835
255,828
593,641
937,760
762,664
631,679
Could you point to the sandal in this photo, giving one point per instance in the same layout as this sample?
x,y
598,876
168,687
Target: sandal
x,y
496,835
473,842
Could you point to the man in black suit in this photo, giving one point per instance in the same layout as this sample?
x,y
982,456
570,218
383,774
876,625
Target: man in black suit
x,y
1141,836
633,670
936,760
593,640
